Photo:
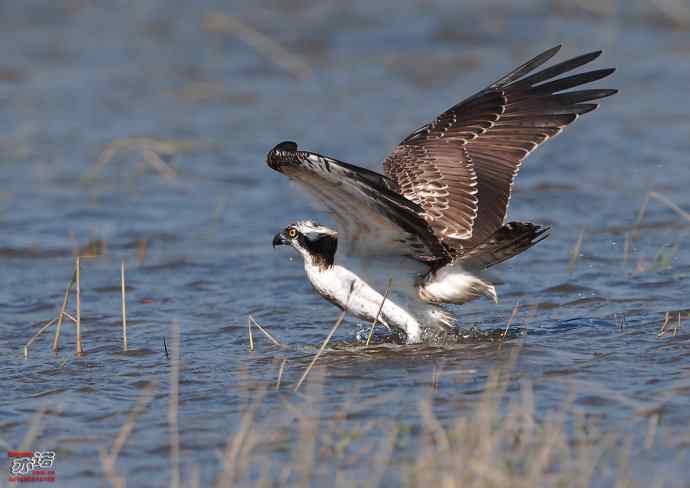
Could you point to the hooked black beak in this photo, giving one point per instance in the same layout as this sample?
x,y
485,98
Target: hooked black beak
x,y
280,240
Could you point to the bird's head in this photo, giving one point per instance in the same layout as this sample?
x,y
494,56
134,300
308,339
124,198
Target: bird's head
x,y
316,243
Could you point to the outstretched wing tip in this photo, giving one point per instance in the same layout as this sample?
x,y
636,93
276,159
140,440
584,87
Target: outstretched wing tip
x,y
281,153
290,146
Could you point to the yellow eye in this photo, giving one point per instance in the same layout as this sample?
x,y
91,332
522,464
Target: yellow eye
x,y
292,233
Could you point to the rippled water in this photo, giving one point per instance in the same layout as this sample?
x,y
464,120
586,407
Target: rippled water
x,y
76,77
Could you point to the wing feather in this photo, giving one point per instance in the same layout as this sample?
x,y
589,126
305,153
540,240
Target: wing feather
x,y
372,219
473,151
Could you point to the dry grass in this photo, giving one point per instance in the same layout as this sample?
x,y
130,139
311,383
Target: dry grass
x,y
78,299
378,313
293,63
321,349
153,151
124,307
280,373
575,253
501,440
173,405
249,332
265,332
36,336
75,282
497,443
34,430
61,313
109,458
667,317
516,309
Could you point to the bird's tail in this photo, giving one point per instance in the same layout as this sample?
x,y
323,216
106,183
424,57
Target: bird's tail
x,y
508,241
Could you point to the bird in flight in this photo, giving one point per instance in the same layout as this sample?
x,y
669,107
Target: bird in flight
x,y
419,236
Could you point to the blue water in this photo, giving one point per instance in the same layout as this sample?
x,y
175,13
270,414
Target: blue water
x,y
75,77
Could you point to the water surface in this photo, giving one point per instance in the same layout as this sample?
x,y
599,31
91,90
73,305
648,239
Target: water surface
x,y
75,77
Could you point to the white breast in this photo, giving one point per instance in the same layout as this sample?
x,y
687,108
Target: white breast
x,y
363,301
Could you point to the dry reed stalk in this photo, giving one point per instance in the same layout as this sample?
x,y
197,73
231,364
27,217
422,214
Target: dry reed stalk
x,y
141,404
142,249
621,323
251,336
115,480
667,317
675,329
635,232
661,198
270,337
71,317
124,307
376,319
173,402
108,460
512,317
155,161
61,314
34,428
280,373
435,375
383,456
321,349
626,249
305,455
652,425
261,43
548,451
36,335
527,406
235,446
664,199
623,463
438,433
165,348
194,477
531,312
76,272
152,149
576,252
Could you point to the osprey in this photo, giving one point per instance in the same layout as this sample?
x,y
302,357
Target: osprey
x,y
420,235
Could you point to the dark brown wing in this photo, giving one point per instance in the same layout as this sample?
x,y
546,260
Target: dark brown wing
x,y
437,174
492,132
372,219
508,241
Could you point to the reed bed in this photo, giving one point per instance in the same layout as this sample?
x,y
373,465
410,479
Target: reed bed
x,y
500,441
75,283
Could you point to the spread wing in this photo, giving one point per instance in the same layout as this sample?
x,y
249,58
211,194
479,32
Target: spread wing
x,y
372,219
460,168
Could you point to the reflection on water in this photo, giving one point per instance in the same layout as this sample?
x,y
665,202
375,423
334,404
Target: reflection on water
x,y
139,131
